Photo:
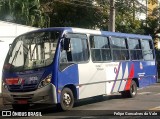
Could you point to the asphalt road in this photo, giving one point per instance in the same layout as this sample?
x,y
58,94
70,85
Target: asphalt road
x,y
145,105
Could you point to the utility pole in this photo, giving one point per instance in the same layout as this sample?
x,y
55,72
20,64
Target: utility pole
x,y
111,24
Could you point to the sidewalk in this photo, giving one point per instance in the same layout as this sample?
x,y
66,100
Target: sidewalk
x,y
3,107
1,104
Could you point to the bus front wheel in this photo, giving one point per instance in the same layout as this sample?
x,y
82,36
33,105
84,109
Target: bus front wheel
x,y
132,92
66,100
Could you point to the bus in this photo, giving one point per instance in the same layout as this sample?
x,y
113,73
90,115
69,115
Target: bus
x,y
60,65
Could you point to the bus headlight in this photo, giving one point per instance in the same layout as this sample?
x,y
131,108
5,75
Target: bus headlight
x,y
4,85
45,81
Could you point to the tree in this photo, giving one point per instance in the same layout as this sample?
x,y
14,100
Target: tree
x,y
125,17
27,12
49,13
4,12
73,13
153,2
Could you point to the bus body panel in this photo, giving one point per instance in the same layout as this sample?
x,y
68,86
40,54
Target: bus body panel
x,y
24,87
146,73
107,78
66,77
103,78
91,79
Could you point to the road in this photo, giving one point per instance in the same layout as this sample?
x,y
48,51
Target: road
x,y
145,104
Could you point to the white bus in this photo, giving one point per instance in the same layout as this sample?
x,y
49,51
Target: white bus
x,y
61,65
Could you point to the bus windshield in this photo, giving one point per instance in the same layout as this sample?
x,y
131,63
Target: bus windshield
x,y
32,50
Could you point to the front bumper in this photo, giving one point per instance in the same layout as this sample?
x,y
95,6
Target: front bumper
x,y
45,95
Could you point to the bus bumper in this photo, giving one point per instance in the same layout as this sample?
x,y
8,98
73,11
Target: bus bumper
x,y
44,95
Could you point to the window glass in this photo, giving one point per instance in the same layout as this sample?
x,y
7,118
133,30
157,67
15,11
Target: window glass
x,y
135,49
99,42
120,54
136,54
75,49
133,44
100,50
145,44
118,43
96,54
119,47
33,50
146,49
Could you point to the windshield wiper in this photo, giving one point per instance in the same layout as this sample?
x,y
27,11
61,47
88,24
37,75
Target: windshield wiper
x,y
29,49
16,53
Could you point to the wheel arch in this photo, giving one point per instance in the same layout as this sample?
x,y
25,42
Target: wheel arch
x,y
73,89
136,80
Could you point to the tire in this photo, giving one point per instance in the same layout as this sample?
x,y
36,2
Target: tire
x,y
132,92
124,94
22,107
66,100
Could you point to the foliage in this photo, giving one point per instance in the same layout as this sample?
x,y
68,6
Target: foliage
x,y
26,12
152,2
125,17
76,13
4,12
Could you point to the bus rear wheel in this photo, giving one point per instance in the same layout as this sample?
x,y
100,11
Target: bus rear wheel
x,y
66,100
132,92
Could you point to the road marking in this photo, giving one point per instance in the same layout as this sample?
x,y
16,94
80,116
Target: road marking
x,y
88,117
155,108
157,94
143,93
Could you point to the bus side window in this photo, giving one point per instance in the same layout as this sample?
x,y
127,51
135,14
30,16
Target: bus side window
x,y
100,49
135,49
66,51
63,56
75,49
119,47
147,50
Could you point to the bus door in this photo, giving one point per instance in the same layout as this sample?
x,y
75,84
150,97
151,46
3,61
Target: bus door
x,y
92,78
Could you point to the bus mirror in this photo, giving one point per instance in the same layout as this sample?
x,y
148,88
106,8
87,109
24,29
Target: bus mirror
x,y
10,45
65,44
10,53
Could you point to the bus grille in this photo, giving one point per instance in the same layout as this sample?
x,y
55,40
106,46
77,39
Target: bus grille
x,y
22,88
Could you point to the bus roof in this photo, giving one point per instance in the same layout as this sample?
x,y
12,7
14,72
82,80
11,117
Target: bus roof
x,y
96,32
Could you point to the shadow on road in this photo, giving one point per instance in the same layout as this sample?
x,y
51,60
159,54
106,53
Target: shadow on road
x,y
96,99
52,110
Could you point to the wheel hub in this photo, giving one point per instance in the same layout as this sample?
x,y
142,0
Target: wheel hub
x,y
67,98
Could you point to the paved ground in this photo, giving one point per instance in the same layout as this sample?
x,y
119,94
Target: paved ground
x,y
147,100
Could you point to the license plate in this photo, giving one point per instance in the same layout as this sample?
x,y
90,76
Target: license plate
x,y
22,101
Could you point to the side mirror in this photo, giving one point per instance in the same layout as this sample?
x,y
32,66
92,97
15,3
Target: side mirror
x,y
10,52
65,44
